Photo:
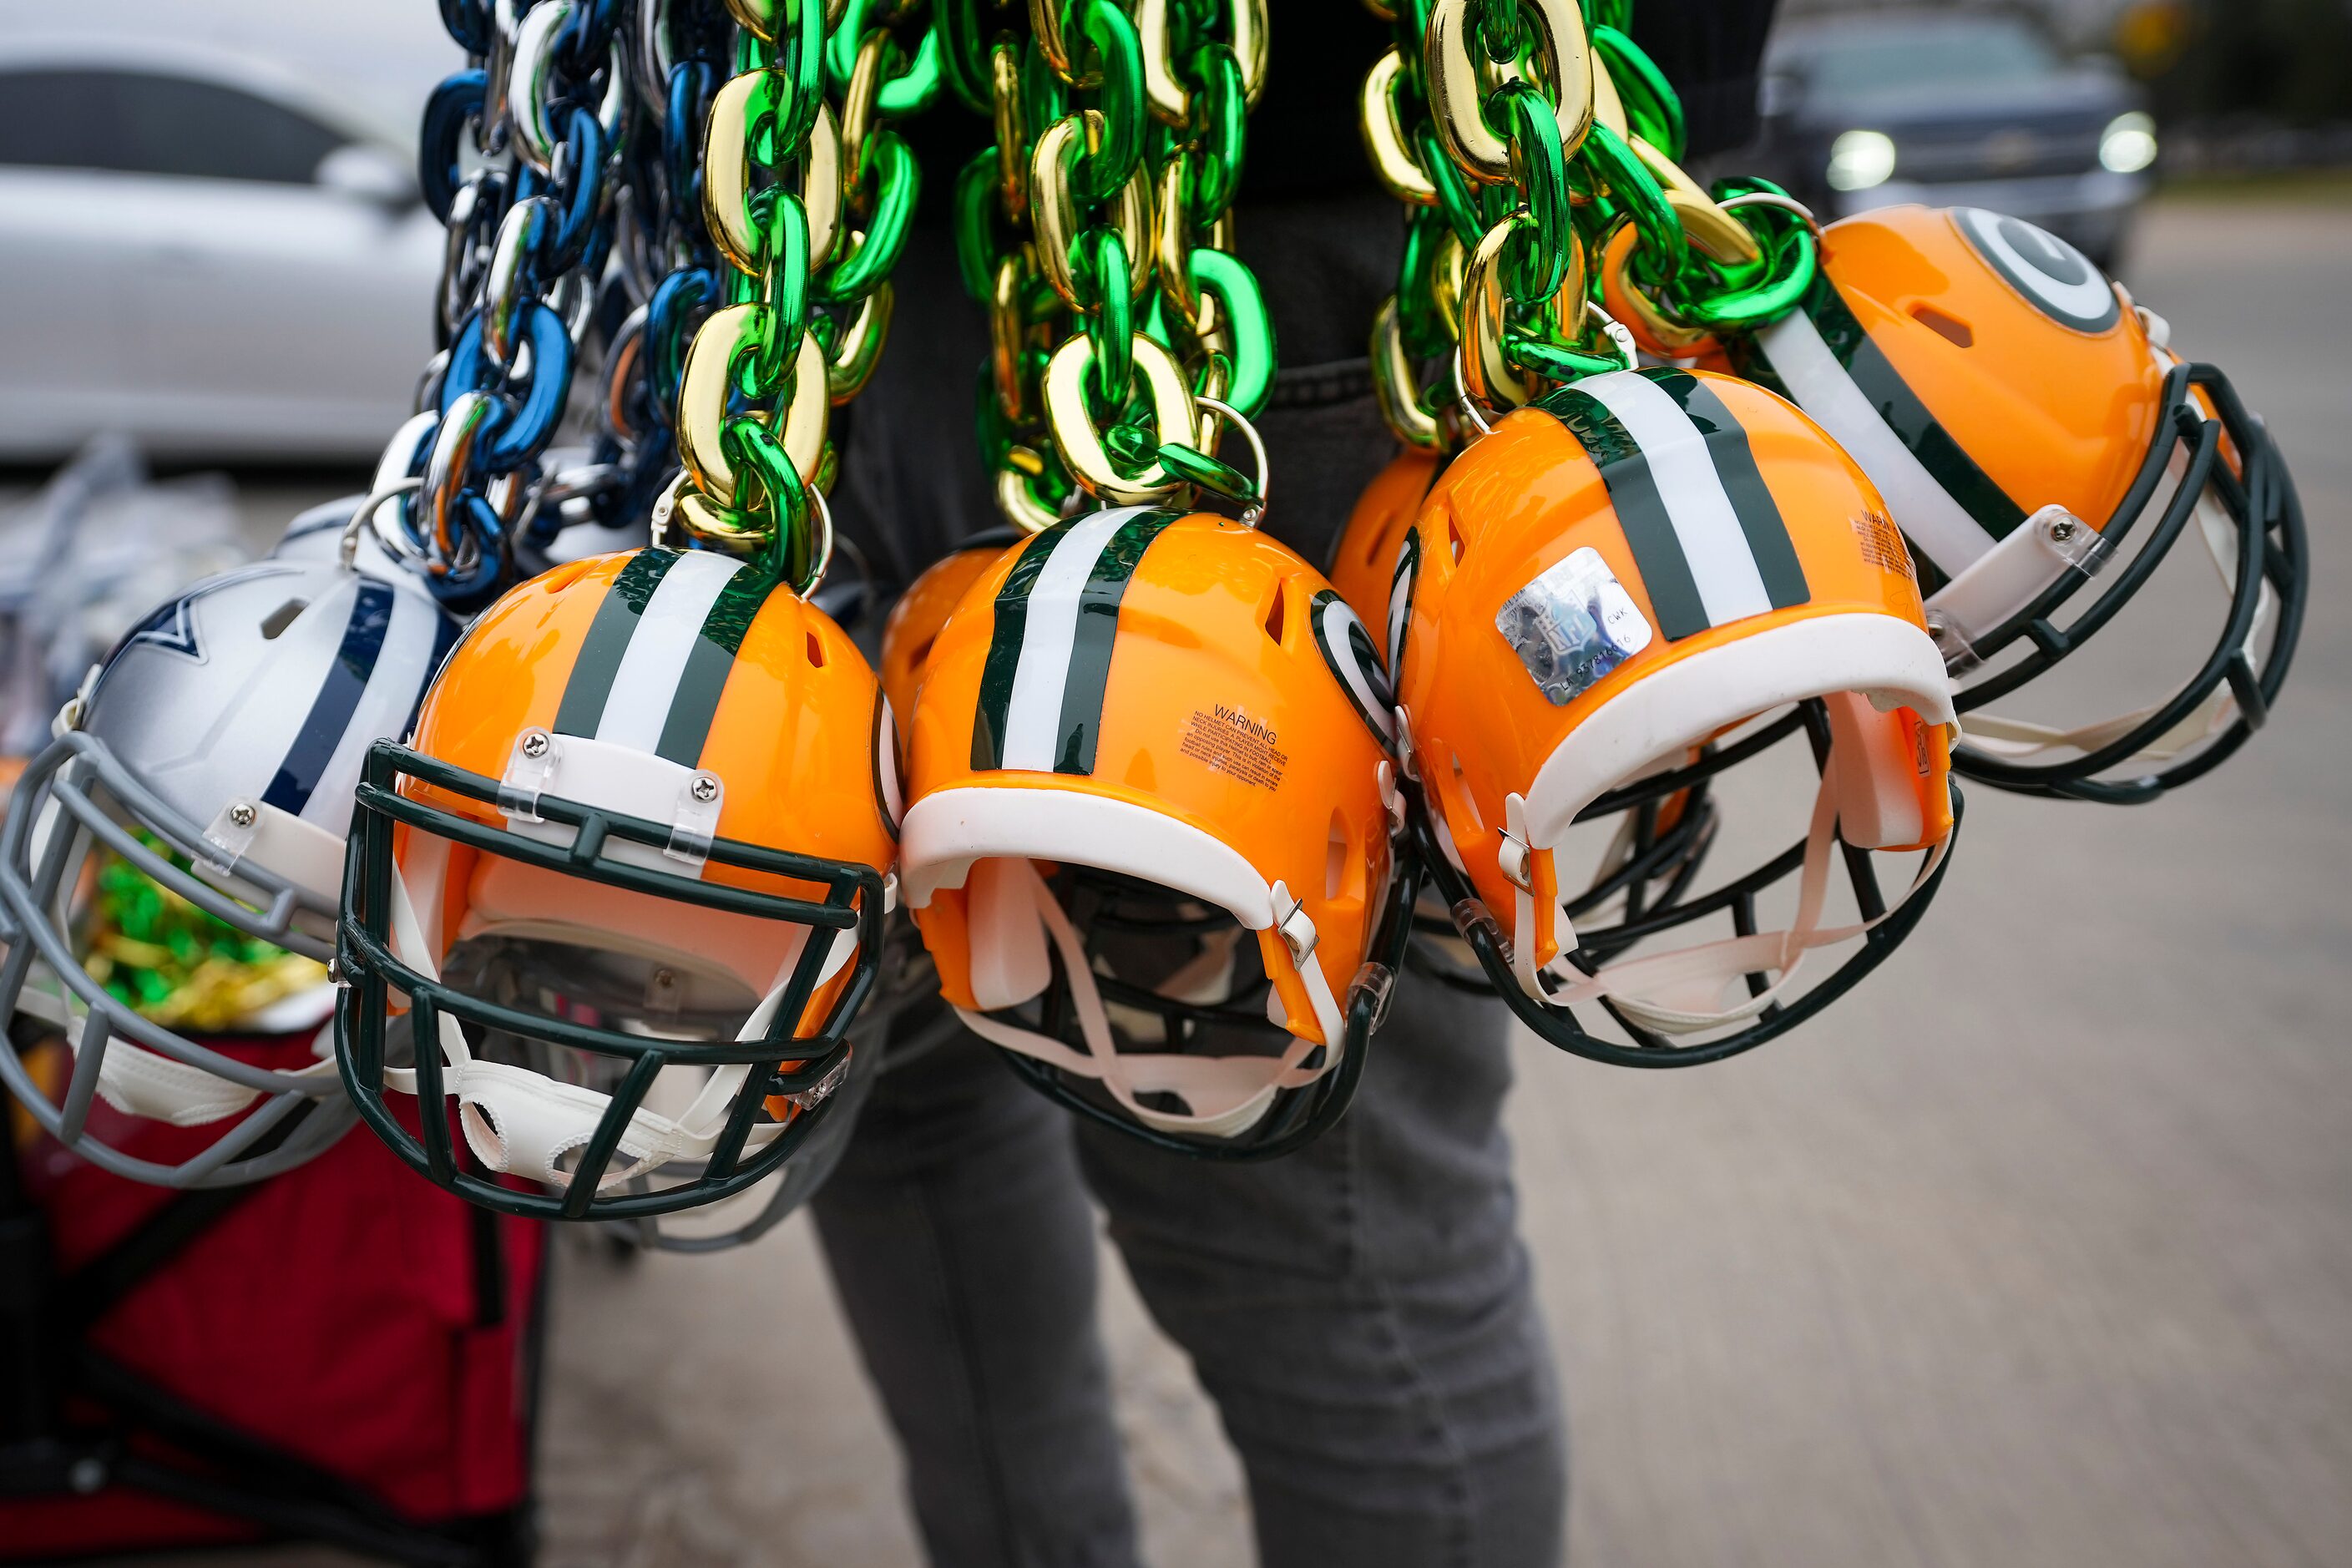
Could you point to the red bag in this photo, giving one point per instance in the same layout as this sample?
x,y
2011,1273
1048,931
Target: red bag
x,y
345,1353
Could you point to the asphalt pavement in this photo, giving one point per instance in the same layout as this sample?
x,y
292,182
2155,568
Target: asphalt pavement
x,y
2036,1250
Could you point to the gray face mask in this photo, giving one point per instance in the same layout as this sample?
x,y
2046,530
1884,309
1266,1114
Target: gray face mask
x,y
216,751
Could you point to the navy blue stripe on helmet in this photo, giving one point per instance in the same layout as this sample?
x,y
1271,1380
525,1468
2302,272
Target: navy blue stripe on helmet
x,y
338,697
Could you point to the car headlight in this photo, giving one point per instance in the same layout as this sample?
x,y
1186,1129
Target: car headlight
x,y
2129,144
1860,159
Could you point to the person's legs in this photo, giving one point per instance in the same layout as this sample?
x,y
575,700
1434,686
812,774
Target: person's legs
x,y
962,1246
1362,1311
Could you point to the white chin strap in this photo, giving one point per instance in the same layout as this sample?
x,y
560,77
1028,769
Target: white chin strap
x,y
141,1082
1681,991
2017,741
1229,1094
522,1123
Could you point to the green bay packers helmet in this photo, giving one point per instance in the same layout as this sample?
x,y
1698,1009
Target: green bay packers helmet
x,y
2031,432
613,911
1152,833
1629,587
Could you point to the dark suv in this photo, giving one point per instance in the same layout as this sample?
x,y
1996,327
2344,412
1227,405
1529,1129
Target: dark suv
x,y
1956,108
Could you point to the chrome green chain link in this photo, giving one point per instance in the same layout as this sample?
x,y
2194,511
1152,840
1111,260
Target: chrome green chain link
x,y
1535,145
1097,231
808,195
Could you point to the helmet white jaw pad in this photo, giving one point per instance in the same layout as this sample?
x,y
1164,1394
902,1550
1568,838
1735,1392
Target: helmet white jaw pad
x,y
1225,1096
522,1122
946,832
1870,776
1009,962
1888,660
982,839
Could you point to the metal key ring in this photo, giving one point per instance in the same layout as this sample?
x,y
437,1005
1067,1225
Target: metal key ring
x,y
1239,421
1619,336
348,550
398,473
820,515
672,532
1775,199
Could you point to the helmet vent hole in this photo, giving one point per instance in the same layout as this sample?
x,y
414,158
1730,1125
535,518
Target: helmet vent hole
x,y
1335,860
1453,541
816,652
1934,321
1276,614
275,624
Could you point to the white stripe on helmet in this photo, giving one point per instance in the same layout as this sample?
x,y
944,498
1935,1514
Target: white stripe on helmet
x,y
1924,509
1033,718
646,684
1722,567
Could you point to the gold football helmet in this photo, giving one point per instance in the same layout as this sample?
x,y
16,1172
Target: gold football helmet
x,y
628,885
1629,586
1152,832
2031,431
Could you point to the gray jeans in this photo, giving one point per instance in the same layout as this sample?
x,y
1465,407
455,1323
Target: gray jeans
x,y
1362,1312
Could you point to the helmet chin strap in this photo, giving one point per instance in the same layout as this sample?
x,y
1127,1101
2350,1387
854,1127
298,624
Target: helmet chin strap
x,y
1235,1092
1678,993
2018,741
520,1122
141,1082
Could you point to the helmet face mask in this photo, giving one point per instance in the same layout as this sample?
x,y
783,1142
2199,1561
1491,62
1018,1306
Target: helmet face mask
x,y
1648,892
73,805
207,762
608,916
2269,553
766,1089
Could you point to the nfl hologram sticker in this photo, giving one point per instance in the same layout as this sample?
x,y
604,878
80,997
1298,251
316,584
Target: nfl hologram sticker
x,y
1572,625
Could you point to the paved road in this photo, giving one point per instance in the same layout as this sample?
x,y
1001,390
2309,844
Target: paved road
x,y
2038,1251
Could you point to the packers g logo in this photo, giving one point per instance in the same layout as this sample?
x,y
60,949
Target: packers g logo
x,y
1355,664
2056,278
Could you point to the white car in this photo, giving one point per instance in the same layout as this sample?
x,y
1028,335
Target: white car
x,y
218,257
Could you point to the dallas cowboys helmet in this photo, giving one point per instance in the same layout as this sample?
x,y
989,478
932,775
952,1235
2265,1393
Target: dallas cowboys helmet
x,y
215,753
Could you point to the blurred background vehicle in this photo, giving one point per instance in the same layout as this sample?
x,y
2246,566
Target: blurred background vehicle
x,y
217,251
1956,109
